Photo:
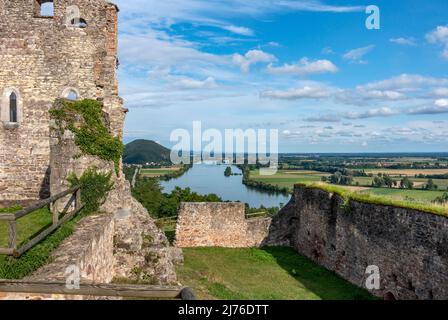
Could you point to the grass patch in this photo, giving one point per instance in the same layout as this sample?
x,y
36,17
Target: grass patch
x,y
27,226
379,200
261,274
38,256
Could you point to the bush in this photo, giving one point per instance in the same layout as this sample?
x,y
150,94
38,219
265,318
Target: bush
x,y
86,120
94,188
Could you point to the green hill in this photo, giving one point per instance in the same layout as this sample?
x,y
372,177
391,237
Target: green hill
x,y
144,151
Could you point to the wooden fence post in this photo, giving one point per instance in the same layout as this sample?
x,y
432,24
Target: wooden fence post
x,y
55,213
78,203
12,235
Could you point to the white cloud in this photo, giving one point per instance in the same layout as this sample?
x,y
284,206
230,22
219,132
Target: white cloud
x,y
405,82
327,51
318,6
440,92
306,92
273,44
304,67
252,57
387,94
158,48
380,112
189,83
404,41
439,36
324,118
357,55
243,31
441,103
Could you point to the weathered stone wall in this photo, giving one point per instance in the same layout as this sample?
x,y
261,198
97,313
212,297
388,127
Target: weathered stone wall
x,y
409,247
220,224
141,250
40,59
90,248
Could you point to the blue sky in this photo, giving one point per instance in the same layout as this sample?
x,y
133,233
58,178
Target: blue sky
x,y
310,69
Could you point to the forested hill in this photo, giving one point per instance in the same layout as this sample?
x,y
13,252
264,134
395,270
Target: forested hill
x,y
145,151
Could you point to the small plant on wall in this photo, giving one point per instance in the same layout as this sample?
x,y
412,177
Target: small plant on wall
x,y
94,188
86,120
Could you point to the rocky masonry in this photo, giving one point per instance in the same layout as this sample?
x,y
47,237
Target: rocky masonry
x,y
43,58
72,54
218,225
409,247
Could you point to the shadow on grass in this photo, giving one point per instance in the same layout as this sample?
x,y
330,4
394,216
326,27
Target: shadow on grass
x,y
326,284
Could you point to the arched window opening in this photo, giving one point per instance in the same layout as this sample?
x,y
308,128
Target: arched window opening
x,y
79,23
13,108
44,8
72,95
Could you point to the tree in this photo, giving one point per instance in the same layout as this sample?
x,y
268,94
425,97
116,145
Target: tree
x,y
335,178
431,185
228,172
388,181
378,181
406,183
443,199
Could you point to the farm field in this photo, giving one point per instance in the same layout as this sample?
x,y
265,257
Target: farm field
x,y
287,178
407,172
158,172
257,274
407,195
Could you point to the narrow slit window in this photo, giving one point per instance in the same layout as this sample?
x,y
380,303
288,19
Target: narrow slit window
x,y
13,107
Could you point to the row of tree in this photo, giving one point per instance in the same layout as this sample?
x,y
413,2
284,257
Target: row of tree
x,y
379,181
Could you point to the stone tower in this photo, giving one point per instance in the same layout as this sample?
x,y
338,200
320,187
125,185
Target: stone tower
x,y
50,49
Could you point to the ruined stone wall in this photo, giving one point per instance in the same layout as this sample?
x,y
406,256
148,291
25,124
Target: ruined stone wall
x,y
220,224
90,249
41,59
409,247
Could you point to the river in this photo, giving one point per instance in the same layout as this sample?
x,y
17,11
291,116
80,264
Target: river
x,y
209,178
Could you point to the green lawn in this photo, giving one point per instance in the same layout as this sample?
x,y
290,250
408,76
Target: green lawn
x,y
408,195
26,226
158,172
39,255
267,273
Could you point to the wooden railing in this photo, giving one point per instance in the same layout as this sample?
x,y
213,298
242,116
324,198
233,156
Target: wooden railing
x,y
58,219
98,290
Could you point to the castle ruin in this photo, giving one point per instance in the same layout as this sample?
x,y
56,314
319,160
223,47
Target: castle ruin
x,y
48,50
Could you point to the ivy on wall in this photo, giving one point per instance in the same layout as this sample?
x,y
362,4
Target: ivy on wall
x,y
86,120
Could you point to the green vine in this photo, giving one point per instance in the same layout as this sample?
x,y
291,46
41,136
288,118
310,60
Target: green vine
x,y
94,188
86,120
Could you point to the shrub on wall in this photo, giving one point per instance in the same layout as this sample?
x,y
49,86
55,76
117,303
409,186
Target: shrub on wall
x,y
94,188
86,120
